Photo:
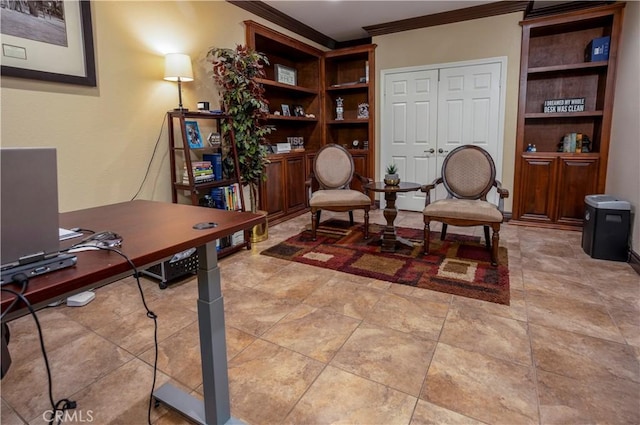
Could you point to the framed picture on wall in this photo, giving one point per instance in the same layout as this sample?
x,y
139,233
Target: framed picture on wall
x,y
193,134
48,40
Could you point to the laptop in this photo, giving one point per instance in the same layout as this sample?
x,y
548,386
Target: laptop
x,y
29,213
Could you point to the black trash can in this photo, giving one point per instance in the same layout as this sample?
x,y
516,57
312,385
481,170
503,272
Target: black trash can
x,y
607,221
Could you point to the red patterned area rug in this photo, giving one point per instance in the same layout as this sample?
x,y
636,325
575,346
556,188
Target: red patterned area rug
x,y
459,265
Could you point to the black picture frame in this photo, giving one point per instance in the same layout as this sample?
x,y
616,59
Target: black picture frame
x,y
89,77
298,111
285,110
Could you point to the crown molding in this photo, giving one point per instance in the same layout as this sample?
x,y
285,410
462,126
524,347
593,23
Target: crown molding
x,y
273,15
528,8
466,14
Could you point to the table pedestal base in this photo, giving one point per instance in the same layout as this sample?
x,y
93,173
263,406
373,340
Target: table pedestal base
x,y
391,241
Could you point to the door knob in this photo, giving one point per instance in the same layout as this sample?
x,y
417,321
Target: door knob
x,y
432,150
442,151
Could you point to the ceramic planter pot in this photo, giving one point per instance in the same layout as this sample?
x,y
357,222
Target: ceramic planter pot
x,y
392,179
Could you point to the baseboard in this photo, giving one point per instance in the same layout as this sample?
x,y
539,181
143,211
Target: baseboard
x,y
634,260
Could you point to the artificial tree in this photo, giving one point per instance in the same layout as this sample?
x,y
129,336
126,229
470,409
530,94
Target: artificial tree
x,y
236,71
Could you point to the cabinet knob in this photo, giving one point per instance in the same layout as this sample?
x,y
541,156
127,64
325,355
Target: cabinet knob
x,y
442,151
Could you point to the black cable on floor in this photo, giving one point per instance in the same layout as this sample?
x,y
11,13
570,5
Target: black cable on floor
x,y
66,404
151,315
63,404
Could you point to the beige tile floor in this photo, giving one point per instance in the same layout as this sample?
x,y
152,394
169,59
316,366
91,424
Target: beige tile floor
x,y
313,346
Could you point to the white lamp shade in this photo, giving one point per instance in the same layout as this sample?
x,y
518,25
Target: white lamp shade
x,y
177,67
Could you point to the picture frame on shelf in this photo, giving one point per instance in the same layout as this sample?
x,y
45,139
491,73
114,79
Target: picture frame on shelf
x,y
194,138
363,111
286,75
285,110
298,111
66,57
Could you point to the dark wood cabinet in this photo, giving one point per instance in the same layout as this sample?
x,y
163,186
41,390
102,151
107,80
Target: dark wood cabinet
x,y
283,194
551,184
577,178
553,187
321,78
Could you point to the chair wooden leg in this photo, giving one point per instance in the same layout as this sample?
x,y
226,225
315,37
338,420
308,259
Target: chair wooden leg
x,y
427,236
315,218
495,242
351,218
444,231
486,237
366,224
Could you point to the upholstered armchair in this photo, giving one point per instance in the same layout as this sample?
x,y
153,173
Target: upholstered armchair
x,y
329,186
468,174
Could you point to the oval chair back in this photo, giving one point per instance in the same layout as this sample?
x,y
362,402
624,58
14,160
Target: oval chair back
x,y
333,170
333,167
468,172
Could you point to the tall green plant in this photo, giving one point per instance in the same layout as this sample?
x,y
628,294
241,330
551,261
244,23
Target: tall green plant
x,y
235,72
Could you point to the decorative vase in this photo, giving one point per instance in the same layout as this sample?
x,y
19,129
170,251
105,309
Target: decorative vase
x,y
260,232
392,179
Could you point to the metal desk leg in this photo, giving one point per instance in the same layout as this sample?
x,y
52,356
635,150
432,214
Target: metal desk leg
x,y
216,408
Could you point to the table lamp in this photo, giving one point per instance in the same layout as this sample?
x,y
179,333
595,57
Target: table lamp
x,y
177,67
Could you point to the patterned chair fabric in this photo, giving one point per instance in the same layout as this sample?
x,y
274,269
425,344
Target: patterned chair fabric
x,y
468,174
333,171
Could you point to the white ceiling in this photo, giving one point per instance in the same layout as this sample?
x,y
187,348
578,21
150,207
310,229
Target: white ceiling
x,y
342,20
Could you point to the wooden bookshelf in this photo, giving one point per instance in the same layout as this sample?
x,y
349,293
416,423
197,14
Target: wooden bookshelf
x,y
550,186
321,77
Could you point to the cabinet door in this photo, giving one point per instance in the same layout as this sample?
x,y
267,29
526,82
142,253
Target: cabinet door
x,y
360,165
538,188
295,189
272,198
577,177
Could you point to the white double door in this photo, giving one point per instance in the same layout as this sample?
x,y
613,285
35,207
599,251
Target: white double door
x,y
429,111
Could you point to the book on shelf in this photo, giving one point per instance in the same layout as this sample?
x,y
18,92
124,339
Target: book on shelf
x,y
216,162
202,171
227,197
198,179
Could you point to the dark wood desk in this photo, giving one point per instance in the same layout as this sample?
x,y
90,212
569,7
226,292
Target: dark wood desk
x,y
154,232
389,237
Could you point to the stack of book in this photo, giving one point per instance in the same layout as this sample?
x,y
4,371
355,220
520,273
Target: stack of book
x,y
227,197
202,172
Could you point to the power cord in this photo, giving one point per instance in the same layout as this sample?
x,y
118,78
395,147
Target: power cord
x,y
153,155
66,404
21,279
150,314
63,404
